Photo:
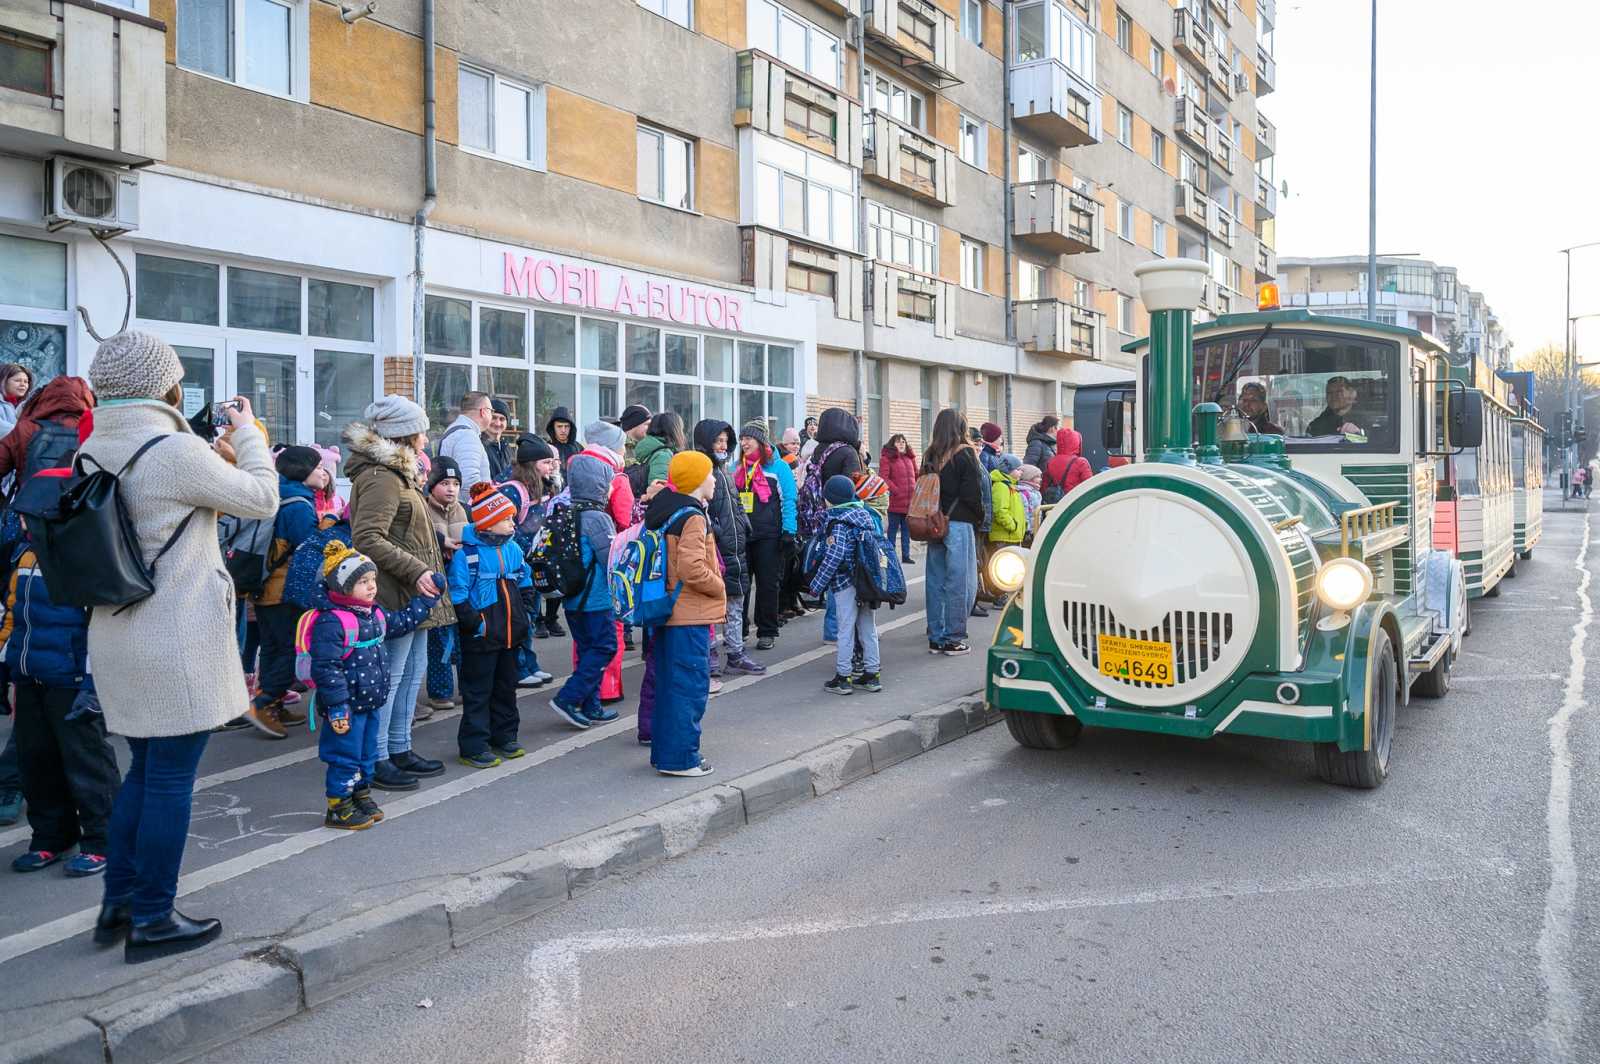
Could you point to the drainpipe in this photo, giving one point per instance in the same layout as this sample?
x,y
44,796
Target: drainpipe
x,y
430,197
1005,141
859,373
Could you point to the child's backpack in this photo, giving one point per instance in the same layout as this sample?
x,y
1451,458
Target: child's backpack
x,y
639,592
925,520
878,577
809,506
247,548
1052,491
302,584
351,629
556,566
638,475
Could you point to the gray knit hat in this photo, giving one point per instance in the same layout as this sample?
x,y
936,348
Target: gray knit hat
x,y
606,435
134,365
394,417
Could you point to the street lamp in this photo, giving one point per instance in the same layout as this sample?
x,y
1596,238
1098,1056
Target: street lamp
x,y
1372,180
1569,354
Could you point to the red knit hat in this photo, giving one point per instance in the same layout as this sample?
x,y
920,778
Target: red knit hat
x,y
490,507
989,431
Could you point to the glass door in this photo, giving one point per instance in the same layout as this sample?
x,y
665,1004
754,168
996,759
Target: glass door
x,y
203,370
271,377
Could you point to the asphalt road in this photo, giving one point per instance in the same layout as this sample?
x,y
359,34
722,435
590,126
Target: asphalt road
x,y
1140,898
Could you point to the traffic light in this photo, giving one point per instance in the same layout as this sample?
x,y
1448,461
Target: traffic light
x,y
1580,434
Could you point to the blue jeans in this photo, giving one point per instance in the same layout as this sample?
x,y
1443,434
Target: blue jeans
x,y
441,661
683,681
150,824
352,757
408,661
830,618
897,525
855,626
594,636
951,583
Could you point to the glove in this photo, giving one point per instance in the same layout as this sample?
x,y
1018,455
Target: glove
x,y
787,543
438,582
469,619
85,704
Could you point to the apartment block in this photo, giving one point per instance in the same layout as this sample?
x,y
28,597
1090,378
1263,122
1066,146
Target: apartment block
x,y
747,209
1410,291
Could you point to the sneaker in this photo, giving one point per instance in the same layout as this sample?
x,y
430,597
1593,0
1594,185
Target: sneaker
x,y
935,648
869,681
702,769
363,799
599,716
715,688
979,611
236,724
289,717
555,629
388,776
264,719
839,685
440,705
955,648
537,678
346,815
569,714
10,807
422,712
746,664
645,740
766,642
540,631
908,561
291,697
34,860
511,751
482,759
411,763
85,864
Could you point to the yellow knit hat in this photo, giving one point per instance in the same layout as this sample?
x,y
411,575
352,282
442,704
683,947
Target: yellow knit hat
x,y
688,470
342,567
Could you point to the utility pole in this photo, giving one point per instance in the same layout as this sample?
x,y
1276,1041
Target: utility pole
x,y
1569,402
1372,181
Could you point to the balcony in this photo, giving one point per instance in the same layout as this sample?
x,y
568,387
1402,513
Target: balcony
x,y
779,266
1266,263
1051,101
1266,198
1222,149
783,102
1191,123
1054,217
1220,224
846,8
1189,38
915,35
1268,11
1266,71
1055,327
1266,137
901,157
1221,71
1192,206
100,91
1220,10
901,298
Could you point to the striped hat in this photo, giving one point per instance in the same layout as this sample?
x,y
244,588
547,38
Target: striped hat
x,y
490,506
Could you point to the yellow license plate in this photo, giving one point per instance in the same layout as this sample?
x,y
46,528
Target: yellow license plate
x,y
1138,660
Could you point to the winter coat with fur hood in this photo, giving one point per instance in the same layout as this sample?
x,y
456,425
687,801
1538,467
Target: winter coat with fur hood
x,y
390,521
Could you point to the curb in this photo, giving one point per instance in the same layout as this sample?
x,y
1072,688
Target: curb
x,y
228,1001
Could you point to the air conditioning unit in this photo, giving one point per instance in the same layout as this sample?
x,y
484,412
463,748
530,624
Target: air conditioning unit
x,y
1241,82
92,195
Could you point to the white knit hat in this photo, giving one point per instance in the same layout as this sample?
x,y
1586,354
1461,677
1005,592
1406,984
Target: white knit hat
x,y
134,365
394,417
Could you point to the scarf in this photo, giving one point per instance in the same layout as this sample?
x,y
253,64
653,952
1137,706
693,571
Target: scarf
x,y
747,473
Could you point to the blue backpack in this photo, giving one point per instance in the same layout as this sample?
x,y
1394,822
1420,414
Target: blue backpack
x,y
639,592
878,577
302,584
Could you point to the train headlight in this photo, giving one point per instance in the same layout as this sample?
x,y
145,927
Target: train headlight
x,y
1008,567
1343,584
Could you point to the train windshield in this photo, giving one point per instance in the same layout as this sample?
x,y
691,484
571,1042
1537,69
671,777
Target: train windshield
x,y
1320,391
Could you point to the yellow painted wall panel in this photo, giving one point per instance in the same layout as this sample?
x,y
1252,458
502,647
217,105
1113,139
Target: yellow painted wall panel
x,y
1108,116
1172,242
1143,228
949,254
994,280
446,88
997,152
946,122
994,31
717,174
167,11
593,142
1141,136
344,59
951,8
722,20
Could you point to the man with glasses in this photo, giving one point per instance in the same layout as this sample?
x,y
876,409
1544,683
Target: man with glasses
x,y
1253,405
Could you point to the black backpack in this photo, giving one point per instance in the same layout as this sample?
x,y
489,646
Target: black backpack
x,y
638,476
87,549
247,548
557,567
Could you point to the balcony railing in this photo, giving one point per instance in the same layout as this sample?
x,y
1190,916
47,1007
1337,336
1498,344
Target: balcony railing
x,y
1055,217
1222,149
1266,71
1221,227
847,8
897,155
1191,205
1266,198
1221,71
916,35
1189,38
1191,123
902,298
1051,101
1056,327
1266,137
1266,263
101,91
783,102
1220,9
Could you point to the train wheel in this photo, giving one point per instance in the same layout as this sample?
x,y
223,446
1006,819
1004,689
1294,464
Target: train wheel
x,y
1527,555
1493,592
1043,731
1435,683
1367,769
1511,573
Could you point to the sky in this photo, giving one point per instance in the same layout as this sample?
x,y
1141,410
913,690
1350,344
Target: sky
x,y
1488,145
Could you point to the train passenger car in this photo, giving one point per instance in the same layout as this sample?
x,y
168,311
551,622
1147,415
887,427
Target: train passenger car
x,y
1476,511
1527,485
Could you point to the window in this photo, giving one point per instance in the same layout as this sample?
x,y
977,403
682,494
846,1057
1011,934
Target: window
x,y
1124,219
341,311
792,39
24,65
802,192
972,264
1080,293
503,333
914,303
1158,238
676,10
266,301
1125,313
810,119
33,288
261,44
803,277
973,142
972,20
897,101
1030,281
1190,170
501,118
1031,166
1124,31
901,239
1124,126
1158,59
1158,147
666,168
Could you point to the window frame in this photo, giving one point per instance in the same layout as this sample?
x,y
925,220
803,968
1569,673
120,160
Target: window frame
x,y
776,164
973,253
1158,237
1123,31
299,48
1125,217
812,31
897,87
538,120
1158,58
1127,318
919,234
644,129
980,140
972,21
24,42
1125,112
1158,148
659,9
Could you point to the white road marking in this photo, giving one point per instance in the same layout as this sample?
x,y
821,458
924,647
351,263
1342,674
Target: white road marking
x,y
58,930
554,1011
1563,1000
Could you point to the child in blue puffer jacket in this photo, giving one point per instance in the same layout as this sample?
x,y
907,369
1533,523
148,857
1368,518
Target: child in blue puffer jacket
x,y
350,671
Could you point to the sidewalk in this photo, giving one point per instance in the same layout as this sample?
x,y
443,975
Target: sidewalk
x,y
258,858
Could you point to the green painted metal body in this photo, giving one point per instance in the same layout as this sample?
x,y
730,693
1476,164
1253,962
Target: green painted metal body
x,y
1171,367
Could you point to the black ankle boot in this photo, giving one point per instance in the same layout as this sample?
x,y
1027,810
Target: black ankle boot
x,y
176,934
112,923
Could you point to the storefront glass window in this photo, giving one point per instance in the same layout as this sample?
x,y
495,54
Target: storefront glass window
x,y
550,391
719,404
751,368
342,387
502,333
447,327
443,386
266,301
199,377
683,355
646,393
33,273
510,386
685,399
599,396
268,380
752,406
644,350
780,413
175,290
340,311
42,348
600,345
780,366
555,339
719,359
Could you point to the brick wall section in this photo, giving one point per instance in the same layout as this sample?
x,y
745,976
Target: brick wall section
x,y
906,417
398,376
1021,421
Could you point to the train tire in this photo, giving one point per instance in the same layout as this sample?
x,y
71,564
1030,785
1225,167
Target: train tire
x,y
1511,573
1435,683
1493,592
1527,555
1367,769
1043,731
